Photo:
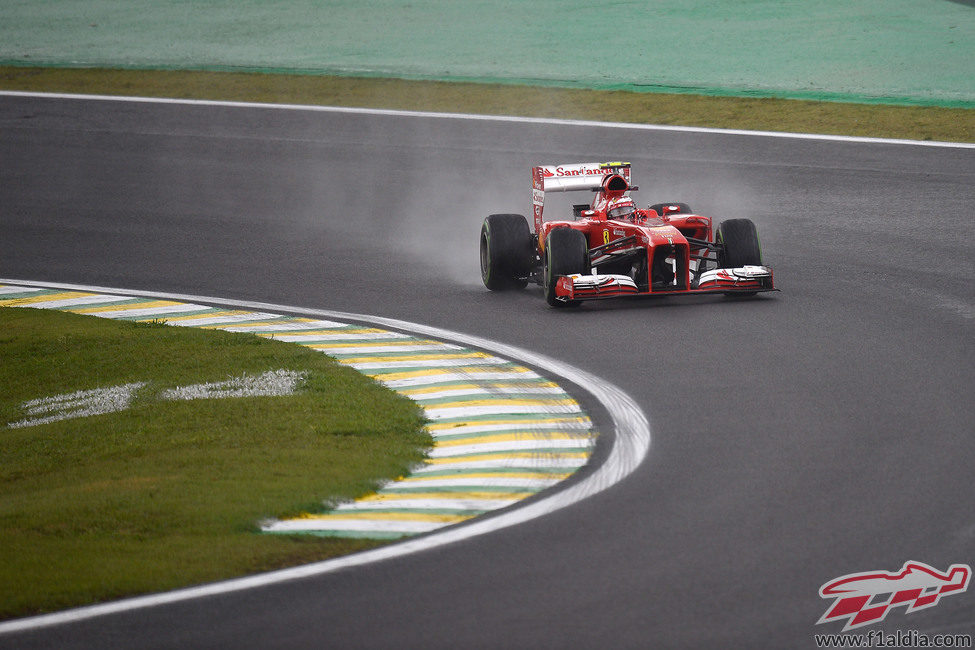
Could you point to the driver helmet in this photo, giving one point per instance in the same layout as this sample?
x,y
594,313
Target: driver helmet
x,y
621,208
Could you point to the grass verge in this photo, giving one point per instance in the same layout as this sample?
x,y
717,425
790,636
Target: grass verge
x,y
763,114
167,494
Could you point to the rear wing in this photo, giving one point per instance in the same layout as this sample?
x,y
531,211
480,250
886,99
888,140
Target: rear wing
x,y
568,178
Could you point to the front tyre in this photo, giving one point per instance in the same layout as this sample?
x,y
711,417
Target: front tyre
x,y
566,253
739,239
506,252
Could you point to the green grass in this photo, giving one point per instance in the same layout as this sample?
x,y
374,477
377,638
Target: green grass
x,y
839,118
169,494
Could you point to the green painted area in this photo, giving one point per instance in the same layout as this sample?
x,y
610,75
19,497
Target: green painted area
x,y
368,537
889,51
447,491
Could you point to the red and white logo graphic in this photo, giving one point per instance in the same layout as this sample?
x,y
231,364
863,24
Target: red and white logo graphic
x,y
865,598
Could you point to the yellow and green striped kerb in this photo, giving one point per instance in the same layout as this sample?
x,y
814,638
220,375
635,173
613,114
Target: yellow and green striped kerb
x,y
502,432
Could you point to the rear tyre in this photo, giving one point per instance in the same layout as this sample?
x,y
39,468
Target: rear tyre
x,y
741,247
566,253
506,252
683,208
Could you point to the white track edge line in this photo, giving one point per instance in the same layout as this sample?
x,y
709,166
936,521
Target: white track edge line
x,y
630,447
490,118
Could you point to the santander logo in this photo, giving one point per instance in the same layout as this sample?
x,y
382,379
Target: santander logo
x,y
866,598
548,172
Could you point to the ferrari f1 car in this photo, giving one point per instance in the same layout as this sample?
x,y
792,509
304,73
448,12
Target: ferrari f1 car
x,y
611,249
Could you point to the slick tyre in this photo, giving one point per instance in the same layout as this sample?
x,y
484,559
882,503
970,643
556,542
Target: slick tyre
x,y
566,253
741,247
506,252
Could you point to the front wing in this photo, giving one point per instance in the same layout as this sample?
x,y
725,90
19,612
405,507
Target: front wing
x,y
745,279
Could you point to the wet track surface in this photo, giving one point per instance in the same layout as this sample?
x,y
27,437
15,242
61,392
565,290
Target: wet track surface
x,y
797,437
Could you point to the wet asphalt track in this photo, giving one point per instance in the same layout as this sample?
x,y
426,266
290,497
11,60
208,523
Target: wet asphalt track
x,y
799,436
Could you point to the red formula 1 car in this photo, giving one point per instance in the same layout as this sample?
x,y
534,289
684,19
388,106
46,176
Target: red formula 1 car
x,y
612,249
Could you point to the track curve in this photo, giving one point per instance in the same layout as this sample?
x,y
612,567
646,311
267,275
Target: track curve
x,y
624,436
822,431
